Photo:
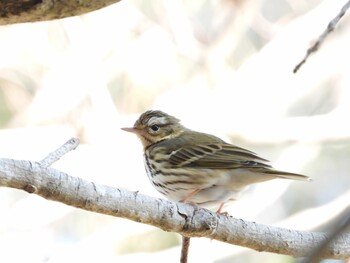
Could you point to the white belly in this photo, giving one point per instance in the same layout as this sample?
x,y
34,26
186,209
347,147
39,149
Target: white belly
x,y
214,189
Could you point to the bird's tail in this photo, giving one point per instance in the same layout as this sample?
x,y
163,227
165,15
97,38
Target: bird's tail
x,y
286,175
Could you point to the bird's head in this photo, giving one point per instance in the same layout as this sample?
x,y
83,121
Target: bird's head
x,y
154,126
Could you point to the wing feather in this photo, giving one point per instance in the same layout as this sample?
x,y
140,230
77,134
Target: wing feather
x,y
199,150
218,155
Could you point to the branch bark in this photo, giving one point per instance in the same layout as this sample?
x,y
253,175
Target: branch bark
x,y
187,220
21,11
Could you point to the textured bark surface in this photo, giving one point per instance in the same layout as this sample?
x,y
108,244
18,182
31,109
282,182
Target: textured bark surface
x,y
21,11
187,220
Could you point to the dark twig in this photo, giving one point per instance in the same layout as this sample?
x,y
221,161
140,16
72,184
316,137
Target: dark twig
x,y
321,38
184,249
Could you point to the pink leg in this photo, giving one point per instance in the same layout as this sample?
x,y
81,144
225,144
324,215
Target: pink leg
x,y
220,207
219,210
183,200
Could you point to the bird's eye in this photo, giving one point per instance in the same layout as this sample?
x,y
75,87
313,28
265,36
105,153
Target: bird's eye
x,y
155,128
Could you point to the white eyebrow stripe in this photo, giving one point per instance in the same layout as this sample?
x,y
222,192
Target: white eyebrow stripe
x,y
158,120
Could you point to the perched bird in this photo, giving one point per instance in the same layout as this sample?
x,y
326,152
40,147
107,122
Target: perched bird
x,y
195,167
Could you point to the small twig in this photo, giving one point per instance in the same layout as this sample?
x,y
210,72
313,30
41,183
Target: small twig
x,y
58,153
321,38
184,249
339,227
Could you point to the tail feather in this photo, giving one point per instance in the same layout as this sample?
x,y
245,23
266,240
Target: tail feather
x,y
286,175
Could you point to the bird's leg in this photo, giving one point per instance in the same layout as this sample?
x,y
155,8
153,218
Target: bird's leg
x,y
190,195
220,207
219,210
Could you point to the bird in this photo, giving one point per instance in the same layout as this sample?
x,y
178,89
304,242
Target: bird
x,y
198,168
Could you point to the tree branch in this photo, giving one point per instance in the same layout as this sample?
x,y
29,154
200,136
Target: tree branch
x,y
58,153
19,11
339,226
187,220
322,37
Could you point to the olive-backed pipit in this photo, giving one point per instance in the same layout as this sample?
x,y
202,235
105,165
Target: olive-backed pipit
x,y
195,167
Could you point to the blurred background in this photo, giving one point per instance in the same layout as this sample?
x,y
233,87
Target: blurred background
x,y
223,67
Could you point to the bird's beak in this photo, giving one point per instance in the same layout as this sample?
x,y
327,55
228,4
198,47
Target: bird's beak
x,y
132,130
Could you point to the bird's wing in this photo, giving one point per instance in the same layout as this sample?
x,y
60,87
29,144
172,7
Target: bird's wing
x,y
217,155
